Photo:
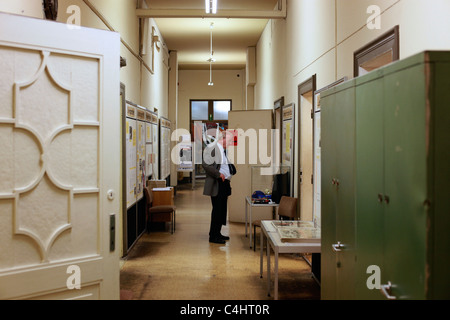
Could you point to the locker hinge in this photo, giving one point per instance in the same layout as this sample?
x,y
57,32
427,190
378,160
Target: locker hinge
x,y
312,113
312,179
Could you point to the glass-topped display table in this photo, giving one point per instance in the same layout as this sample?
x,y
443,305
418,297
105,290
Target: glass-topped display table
x,y
287,237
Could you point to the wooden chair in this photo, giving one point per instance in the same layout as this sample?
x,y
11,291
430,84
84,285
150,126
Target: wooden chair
x,y
286,210
162,213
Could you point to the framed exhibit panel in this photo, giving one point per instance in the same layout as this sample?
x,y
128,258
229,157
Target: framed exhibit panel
x,y
155,154
248,125
186,154
165,131
135,173
148,143
277,124
141,154
287,138
131,154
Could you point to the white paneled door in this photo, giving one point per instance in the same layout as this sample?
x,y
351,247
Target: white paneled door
x,y
59,161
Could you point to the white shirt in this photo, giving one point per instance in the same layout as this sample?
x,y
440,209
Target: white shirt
x,y
224,169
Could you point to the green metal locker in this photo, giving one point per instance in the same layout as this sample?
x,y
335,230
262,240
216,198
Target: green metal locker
x,y
328,220
338,186
401,171
369,182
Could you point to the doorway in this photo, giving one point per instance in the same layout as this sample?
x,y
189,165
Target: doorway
x,y
305,158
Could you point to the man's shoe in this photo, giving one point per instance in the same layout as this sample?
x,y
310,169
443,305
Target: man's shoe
x,y
224,238
217,240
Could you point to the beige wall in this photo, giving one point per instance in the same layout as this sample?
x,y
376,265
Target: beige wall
x,y
270,66
320,36
193,84
23,7
142,86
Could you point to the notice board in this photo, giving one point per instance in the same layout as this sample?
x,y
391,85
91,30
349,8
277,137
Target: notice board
x,y
131,154
165,133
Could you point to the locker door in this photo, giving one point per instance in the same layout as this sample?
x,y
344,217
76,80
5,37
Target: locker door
x,y
328,201
405,182
369,185
345,191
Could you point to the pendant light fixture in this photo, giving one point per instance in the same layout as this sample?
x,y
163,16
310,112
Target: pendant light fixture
x,y
211,56
211,6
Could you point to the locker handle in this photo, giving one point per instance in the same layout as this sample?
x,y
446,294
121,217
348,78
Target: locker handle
x,y
337,247
335,182
386,291
380,198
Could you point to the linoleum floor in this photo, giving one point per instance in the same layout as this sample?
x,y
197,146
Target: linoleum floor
x,y
185,266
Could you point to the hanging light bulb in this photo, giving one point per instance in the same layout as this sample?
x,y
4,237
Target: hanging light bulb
x,y
211,59
210,75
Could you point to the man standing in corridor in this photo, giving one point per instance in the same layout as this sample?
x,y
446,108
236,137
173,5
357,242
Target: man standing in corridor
x,y
219,172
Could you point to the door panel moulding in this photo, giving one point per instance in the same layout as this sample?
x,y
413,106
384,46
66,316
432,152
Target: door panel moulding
x,y
281,13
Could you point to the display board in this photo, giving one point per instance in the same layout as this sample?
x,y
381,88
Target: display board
x,y
155,154
149,143
247,122
287,138
186,154
131,155
141,154
164,148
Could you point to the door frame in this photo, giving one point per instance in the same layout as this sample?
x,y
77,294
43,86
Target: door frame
x,y
309,85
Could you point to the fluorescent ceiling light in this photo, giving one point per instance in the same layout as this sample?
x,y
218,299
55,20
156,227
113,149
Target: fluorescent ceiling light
x,y
211,6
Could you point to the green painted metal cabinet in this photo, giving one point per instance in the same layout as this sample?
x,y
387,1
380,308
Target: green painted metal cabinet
x,y
338,183
401,177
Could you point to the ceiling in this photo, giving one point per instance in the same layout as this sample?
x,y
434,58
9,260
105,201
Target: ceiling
x,y
185,28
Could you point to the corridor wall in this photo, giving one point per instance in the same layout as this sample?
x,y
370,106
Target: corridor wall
x,y
319,38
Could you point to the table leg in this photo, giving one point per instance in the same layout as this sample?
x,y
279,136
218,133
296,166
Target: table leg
x,y
268,267
250,229
246,207
261,262
275,289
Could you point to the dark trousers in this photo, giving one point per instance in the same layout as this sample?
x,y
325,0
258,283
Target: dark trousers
x,y
219,209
